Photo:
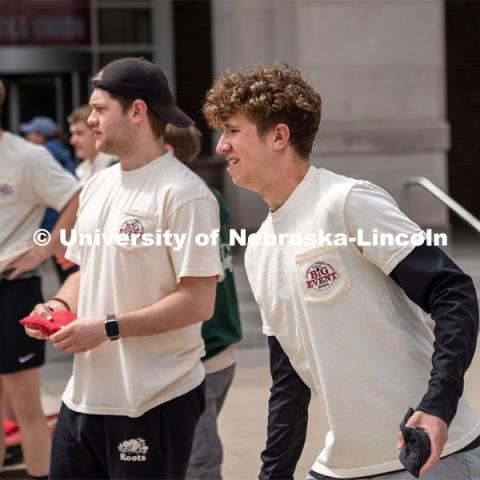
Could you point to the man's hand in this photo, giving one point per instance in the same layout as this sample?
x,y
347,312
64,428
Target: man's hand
x,y
437,431
81,335
42,310
27,262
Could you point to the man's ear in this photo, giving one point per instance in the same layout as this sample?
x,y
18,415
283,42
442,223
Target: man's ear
x,y
169,148
138,110
281,136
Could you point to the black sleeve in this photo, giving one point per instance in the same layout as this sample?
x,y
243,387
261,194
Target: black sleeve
x,y
287,417
437,285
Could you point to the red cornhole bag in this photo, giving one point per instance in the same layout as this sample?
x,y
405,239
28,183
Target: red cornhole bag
x,y
60,318
9,427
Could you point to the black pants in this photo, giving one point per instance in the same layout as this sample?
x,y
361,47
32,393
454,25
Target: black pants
x,y
156,445
287,417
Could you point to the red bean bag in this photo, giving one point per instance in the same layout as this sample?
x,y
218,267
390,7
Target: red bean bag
x,y
60,318
9,427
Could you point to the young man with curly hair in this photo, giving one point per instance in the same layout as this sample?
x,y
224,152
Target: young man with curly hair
x,y
361,326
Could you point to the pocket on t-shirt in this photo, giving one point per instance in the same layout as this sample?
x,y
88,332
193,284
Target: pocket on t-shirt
x,y
8,189
139,227
322,275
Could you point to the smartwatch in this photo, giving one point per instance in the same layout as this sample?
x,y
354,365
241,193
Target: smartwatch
x,y
112,329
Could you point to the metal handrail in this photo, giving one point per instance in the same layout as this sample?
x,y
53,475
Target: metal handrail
x,y
443,197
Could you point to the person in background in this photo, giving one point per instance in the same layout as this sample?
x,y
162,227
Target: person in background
x,y
44,131
30,180
221,333
82,140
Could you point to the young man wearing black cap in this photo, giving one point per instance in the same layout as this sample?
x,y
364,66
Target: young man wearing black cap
x,y
136,392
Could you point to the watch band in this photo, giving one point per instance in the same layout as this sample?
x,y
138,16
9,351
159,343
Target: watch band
x,y
112,328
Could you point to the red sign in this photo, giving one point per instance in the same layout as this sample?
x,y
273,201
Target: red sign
x,y
44,22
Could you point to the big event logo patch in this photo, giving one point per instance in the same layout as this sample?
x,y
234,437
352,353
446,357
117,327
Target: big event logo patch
x,y
132,226
320,276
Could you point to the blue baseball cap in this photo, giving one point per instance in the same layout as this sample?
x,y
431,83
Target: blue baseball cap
x,y
44,125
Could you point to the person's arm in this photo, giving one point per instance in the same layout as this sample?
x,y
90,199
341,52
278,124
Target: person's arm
x,y
37,255
432,281
192,302
287,417
437,285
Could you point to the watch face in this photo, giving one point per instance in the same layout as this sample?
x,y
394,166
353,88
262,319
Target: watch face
x,y
111,328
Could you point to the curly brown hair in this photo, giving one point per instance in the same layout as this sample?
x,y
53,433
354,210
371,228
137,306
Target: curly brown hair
x,y
268,95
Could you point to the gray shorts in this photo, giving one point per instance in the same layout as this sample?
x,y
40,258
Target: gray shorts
x,y
459,466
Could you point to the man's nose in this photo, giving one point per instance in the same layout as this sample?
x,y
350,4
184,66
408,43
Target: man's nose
x,y
222,146
92,119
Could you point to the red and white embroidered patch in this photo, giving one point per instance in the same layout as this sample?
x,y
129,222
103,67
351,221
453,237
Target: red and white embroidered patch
x,y
320,276
132,226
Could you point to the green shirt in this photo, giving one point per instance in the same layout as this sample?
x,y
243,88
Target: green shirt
x,y
224,328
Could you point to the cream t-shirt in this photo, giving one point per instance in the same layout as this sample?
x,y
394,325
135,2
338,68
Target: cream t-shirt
x,y
226,358
350,331
132,375
88,167
30,181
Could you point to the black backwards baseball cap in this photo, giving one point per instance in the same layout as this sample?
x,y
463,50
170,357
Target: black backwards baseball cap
x,y
138,78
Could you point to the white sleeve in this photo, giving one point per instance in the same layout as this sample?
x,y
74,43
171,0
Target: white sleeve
x,y
72,252
194,221
266,329
384,234
52,185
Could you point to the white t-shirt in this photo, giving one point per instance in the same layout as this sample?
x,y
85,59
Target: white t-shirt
x,y
88,167
349,331
30,181
226,358
132,375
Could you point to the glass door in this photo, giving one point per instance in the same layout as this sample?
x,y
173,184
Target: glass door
x,y
32,95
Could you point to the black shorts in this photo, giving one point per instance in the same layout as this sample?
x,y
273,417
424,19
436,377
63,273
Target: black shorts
x,y
18,351
156,445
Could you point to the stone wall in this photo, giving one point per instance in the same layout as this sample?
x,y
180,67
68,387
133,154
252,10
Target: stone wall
x,y
380,68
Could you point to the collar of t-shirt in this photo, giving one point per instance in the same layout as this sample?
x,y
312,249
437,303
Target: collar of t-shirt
x,y
278,214
145,168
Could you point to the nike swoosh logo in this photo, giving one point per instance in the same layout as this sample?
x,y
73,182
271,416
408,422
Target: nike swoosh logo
x,y
26,358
